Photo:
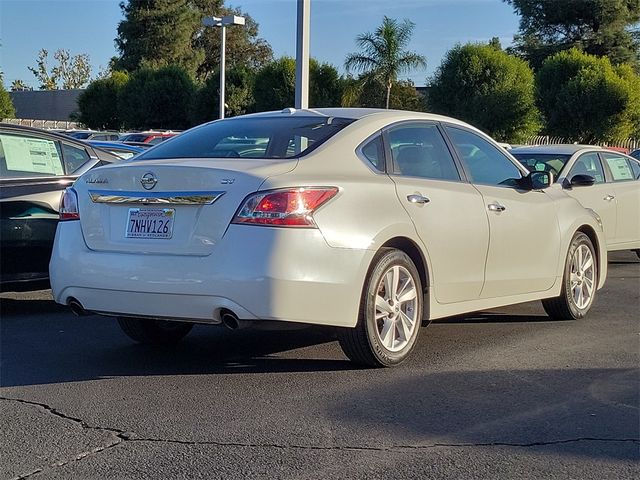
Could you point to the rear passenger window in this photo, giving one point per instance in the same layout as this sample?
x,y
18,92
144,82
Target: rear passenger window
x,y
418,150
374,153
26,156
74,157
619,167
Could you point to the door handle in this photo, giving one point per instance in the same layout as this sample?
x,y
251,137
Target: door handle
x,y
418,199
608,198
496,207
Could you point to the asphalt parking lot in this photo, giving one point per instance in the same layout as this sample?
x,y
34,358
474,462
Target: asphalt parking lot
x,y
500,394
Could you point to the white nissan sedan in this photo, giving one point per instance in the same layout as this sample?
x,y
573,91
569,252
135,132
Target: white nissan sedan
x,y
604,180
373,221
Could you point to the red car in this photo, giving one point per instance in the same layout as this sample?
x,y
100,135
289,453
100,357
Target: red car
x,y
147,137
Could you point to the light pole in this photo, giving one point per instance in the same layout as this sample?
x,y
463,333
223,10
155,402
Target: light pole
x,y
222,22
302,54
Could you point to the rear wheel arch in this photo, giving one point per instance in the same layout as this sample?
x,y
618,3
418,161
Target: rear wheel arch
x,y
416,255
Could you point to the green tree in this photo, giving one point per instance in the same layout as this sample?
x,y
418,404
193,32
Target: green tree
x,y
239,96
274,86
157,99
158,33
6,105
488,88
383,55
598,27
20,86
68,73
370,93
98,104
585,98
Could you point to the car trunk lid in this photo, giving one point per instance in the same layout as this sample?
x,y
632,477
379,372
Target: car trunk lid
x,y
177,207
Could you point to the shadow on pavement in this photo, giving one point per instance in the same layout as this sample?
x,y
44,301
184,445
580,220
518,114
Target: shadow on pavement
x,y
44,343
526,408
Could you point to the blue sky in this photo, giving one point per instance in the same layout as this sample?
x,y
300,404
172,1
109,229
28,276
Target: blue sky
x,y
89,26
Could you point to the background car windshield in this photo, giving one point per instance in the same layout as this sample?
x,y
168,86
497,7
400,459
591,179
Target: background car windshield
x,y
80,135
268,138
134,137
543,162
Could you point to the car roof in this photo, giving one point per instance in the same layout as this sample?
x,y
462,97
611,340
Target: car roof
x,y
123,146
562,149
22,128
351,113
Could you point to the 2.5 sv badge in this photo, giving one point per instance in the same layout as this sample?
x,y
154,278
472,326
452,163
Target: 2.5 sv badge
x,y
148,181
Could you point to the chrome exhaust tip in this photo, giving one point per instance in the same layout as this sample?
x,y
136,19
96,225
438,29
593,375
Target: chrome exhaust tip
x,y
76,307
230,320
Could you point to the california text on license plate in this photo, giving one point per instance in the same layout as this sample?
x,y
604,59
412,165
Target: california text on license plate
x,y
150,223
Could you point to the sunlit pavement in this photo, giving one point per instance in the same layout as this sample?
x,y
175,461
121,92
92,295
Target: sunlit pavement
x,y
500,394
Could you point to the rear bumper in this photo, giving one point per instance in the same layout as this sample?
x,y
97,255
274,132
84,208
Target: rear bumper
x,y
256,272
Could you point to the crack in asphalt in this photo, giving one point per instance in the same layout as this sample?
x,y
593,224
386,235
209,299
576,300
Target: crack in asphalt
x,y
122,436
118,434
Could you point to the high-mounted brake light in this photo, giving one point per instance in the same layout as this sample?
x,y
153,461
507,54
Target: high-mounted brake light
x,y
69,205
290,207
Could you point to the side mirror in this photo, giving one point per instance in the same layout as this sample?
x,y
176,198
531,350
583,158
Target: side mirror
x,y
581,180
539,180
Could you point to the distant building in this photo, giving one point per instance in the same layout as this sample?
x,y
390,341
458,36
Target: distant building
x,y
46,104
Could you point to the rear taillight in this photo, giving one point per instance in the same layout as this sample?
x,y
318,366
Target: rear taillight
x,y
69,205
290,207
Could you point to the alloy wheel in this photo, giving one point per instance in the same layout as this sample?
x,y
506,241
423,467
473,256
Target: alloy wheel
x,y
582,280
396,308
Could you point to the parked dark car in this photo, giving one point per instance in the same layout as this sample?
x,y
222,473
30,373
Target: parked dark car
x,y
636,154
35,167
119,149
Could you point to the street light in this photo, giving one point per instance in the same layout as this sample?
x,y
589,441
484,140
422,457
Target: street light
x,y
223,23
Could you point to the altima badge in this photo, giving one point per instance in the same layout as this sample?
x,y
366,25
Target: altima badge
x,y
96,180
148,181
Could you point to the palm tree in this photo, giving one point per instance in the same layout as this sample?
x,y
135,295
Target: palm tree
x,y
383,53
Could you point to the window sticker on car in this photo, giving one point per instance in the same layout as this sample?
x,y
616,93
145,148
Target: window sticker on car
x,y
620,168
33,155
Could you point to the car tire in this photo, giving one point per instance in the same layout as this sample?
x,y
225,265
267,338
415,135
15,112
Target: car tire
x,y
154,332
579,282
388,326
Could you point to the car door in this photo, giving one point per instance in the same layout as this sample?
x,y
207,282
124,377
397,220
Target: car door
x,y
599,197
626,190
447,212
32,176
524,233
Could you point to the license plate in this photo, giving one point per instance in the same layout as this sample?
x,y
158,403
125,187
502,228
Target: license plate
x,y
150,223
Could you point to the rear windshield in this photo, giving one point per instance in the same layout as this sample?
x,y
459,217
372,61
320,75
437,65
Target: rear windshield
x,y
543,162
268,138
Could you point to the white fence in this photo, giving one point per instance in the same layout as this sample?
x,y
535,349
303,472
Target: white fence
x,y
630,143
43,123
